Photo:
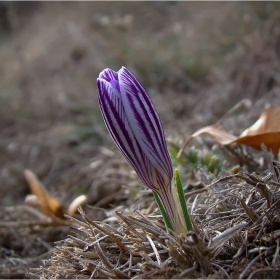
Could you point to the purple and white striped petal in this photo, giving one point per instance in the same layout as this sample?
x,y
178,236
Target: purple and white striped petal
x,y
108,75
144,122
134,125
118,126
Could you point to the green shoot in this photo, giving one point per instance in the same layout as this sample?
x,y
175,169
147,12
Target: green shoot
x,y
182,200
163,213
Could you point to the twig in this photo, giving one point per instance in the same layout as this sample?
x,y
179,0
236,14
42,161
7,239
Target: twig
x,y
245,271
253,274
154,249
187,271
218,266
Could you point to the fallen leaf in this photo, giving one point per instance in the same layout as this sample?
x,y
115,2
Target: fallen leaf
x,y
48,204
269,121
74,205
217,132
266,130
270,139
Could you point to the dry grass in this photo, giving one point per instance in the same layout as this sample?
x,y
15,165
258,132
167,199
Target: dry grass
x,y
238,229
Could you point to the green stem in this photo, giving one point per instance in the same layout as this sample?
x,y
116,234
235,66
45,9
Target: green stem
x,y
182,200
163,213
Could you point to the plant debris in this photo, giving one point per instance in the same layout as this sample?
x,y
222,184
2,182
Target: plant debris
x,y
238,231
265,131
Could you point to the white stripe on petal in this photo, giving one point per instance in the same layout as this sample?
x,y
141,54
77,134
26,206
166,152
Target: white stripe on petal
x,y
108,75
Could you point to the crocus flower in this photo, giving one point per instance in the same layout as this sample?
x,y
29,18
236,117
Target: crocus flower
x,y
133,123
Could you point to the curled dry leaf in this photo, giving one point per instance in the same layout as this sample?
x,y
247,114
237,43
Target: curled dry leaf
x,y
48,204
266,131
268,122
74,205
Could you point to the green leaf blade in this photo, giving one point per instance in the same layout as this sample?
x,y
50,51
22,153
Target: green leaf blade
x,y
182,200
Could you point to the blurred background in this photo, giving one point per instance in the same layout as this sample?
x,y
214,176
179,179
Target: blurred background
x,y
196,60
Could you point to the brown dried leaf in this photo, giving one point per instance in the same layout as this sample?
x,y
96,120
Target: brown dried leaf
x,y
216,131
49,205
265,131
270,139
268,122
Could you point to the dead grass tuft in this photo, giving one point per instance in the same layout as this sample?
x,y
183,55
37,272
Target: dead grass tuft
x,y
238,230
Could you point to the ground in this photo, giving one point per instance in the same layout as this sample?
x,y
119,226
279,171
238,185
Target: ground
x,y
196,59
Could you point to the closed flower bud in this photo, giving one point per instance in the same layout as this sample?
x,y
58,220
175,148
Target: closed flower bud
x,y
133,123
